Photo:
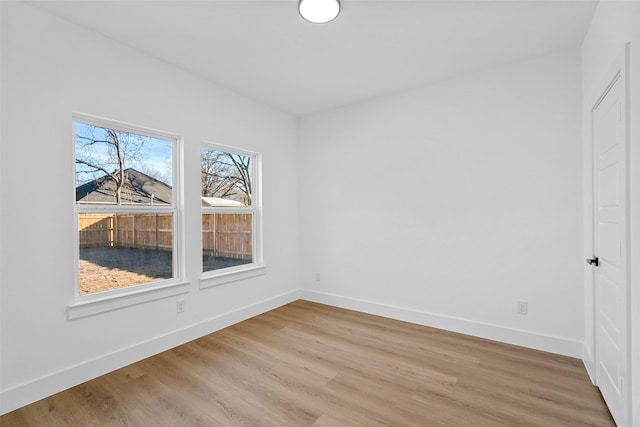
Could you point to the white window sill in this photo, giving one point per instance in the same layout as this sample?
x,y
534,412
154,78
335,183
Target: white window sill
x,y
227,275
102,303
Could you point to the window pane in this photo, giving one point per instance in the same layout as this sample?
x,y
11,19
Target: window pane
x,y
121,250
122,168
226,179
226,240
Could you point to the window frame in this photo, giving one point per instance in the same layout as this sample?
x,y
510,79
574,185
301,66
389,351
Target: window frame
x,y
257,266
94,303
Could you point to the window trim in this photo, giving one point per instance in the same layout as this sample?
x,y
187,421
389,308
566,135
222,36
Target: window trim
x,y
98,302
257,267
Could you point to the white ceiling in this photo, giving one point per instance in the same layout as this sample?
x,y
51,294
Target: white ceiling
x,y
265,50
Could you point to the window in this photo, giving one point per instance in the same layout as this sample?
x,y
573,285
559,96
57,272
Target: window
x,y
126,209
231,241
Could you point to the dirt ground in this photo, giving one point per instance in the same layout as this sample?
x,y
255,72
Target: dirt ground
x,y
106,268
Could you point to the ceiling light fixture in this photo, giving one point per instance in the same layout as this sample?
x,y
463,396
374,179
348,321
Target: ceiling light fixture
x,y
319,11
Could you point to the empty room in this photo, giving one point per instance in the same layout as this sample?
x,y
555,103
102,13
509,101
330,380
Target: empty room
x,y
320,213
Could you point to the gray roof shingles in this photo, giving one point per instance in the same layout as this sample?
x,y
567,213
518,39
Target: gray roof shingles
x,y
138,188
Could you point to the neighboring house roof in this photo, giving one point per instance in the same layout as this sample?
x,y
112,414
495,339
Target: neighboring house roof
x,y
217,202
138,188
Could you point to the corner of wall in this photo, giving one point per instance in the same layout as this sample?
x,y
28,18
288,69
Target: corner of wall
x,y
55,382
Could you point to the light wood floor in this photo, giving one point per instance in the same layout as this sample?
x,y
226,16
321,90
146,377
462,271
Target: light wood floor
x,y
307,364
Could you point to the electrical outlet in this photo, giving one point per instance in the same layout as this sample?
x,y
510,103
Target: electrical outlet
x,y
180,306
317,277
523,307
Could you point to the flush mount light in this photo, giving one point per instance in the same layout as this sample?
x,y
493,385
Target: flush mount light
x,y
319,11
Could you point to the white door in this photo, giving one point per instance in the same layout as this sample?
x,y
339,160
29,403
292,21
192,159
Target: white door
x,y
610,244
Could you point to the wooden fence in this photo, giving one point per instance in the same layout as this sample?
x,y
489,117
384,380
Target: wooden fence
x,y
223,235
96,230
227,235
143,231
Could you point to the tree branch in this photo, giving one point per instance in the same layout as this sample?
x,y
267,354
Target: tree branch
x,y
96,167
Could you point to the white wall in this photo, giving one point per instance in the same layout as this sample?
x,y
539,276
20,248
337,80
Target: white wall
x,y
50,69
447,204
614,24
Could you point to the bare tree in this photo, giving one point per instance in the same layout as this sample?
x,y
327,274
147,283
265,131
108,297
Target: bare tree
x,y
213,174
226,175
121,148
242,166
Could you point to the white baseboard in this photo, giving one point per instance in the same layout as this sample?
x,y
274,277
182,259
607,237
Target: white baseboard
x,y
587,360
519,337
32,391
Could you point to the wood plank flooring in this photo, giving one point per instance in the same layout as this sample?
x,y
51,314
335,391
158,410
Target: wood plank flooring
x,y
307,364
